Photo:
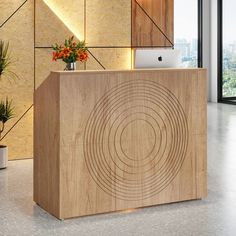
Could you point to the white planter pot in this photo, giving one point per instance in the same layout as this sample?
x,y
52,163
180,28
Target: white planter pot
x,y
3,157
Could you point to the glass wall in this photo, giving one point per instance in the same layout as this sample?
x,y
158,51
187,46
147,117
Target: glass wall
x,y
229,50
186,31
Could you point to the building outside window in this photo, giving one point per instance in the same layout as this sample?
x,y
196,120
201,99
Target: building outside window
x,y
186,31
229,49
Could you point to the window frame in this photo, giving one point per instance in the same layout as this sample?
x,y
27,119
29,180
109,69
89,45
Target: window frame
x,y
200,33
220,97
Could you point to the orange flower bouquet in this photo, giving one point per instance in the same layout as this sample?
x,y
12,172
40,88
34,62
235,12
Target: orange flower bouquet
x,y
70,53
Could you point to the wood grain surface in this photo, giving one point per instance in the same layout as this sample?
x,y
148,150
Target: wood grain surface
x,y
152,23
116,140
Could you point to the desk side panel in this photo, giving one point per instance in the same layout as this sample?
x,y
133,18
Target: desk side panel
x,y
46,145
201,136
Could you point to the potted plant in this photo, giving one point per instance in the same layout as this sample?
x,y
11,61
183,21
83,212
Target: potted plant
x,y
6,109
6,113
70,53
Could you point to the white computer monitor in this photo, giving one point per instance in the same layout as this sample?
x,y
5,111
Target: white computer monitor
x,y
157,58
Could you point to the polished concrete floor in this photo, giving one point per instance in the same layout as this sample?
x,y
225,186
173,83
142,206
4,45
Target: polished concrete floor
x,y
215,215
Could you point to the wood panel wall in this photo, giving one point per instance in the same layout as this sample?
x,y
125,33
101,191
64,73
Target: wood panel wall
x,y
105,25
152,23
111,29
17,26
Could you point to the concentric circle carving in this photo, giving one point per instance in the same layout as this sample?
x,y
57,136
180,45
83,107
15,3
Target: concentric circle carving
x,y
135,140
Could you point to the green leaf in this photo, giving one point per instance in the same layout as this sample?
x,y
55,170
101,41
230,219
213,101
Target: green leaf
x,y
5,60
6,111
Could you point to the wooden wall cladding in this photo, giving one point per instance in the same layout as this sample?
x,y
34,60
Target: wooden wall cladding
x,y
55,20
152,23
108,23
17,27
111,58
105,25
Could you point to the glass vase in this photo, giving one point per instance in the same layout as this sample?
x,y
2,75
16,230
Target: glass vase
x,y
70,66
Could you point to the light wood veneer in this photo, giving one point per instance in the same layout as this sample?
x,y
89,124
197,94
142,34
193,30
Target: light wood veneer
x,y
114,140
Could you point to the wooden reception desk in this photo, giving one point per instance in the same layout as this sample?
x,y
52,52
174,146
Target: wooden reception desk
x,y
106,141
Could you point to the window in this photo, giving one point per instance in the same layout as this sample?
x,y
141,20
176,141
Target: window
x,y
188,31
227,51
